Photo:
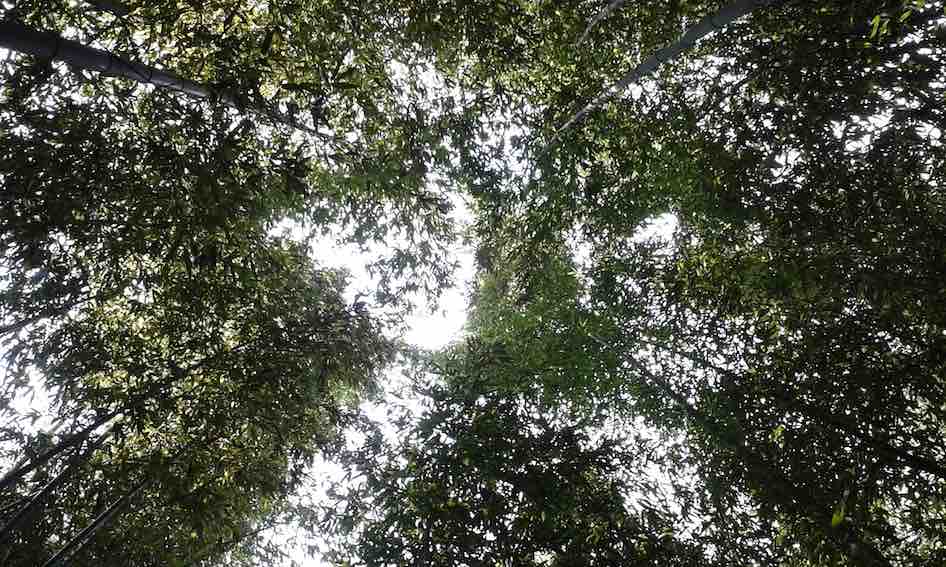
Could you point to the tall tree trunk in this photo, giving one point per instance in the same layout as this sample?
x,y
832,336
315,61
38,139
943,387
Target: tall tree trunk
x,y
114,8
47,45
604,13
103,519
778,482
725,16
17,473
77,458
20,469
787,401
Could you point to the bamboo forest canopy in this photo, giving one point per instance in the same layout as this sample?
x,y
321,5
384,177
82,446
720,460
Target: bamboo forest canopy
x,y
186,381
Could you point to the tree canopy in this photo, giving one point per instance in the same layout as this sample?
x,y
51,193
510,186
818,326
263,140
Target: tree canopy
x,y
762,383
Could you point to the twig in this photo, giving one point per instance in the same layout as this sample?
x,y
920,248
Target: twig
x,y
704,27
604,13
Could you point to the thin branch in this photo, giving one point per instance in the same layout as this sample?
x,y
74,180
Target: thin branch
x,y
77,458
53,312
604,13
704,27
47,45
228,545
103,519
17,473
788,402
114,8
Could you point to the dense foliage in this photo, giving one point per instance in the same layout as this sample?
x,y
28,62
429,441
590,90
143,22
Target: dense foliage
x,y
763,384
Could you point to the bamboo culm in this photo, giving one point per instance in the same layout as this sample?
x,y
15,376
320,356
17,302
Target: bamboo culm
x,y
113,8
725,16
47,45
77,459
103,519
17,473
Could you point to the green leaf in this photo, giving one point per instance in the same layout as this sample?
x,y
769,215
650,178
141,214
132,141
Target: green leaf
x,y
876,26
838,517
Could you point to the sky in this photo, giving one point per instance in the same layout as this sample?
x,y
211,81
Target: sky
x,y
430,329
424,328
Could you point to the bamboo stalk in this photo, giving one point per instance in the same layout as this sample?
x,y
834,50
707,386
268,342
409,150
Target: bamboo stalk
x,y
103,519
725,16
48,45
114,8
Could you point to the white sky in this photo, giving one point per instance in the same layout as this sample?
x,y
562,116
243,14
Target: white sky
x,y
425,328
430,330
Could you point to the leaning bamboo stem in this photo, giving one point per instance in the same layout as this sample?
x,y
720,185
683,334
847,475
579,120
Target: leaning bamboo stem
x,y
47,45
17,473
39,497
788,402
604,13
725,16
114,8
103,519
